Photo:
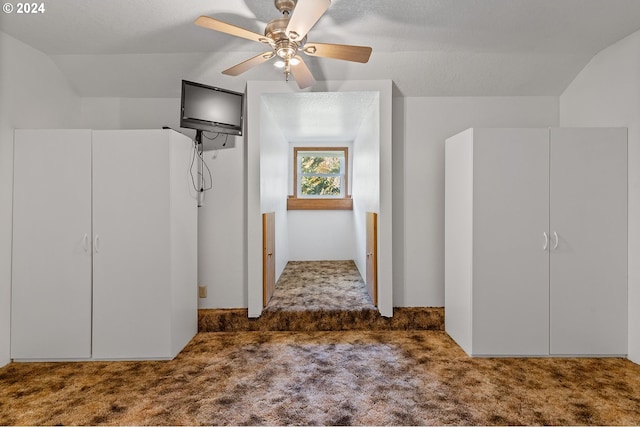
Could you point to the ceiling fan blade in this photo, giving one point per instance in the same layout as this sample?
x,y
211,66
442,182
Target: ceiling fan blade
x,y
302,74
305,15
223,27
236,70
338,51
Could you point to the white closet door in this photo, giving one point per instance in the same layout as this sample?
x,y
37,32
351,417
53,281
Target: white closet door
x,y
589,264
131,237
510,263
51,265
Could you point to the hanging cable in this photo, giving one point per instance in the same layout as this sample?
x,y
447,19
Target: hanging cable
x,y
210,186
210,139
193,160
226,138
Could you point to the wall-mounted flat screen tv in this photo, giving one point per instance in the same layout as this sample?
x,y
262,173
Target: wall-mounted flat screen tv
x,y
211,109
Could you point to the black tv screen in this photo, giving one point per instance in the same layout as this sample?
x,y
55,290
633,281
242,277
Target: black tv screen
x,y
211,109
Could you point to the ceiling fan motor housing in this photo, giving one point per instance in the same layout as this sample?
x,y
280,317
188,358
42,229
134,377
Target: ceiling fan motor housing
x,y
284,47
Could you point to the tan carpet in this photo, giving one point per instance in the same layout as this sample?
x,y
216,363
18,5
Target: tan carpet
x,y
320,296
320,285
320,363
323,378
404,319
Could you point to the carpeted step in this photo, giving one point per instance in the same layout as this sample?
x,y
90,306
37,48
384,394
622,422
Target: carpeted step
x,y
405,318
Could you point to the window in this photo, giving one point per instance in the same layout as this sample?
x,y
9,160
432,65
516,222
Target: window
x,y
320,178
320,173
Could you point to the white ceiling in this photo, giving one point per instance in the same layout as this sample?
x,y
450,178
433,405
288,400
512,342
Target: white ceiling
x,y
320,116
143,48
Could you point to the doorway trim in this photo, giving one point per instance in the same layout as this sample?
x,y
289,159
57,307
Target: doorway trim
x,y
268,256
371,278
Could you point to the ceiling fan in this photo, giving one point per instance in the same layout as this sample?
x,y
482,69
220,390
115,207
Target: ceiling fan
x,y
287,37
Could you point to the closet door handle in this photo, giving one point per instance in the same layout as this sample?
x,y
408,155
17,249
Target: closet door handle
x,y
85,243
96,244
546,241
555,244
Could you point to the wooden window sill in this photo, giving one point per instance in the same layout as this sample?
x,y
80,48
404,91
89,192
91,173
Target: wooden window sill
x,y
294,203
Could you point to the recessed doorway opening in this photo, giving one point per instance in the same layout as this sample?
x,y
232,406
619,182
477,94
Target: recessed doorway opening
x,y
358,122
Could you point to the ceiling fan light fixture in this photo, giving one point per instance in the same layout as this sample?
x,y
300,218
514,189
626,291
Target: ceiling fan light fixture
x,y
283,63
286,52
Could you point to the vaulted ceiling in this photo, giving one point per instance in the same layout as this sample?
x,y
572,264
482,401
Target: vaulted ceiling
x,y
143,48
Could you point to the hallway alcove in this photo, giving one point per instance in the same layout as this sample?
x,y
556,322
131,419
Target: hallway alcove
x,y
352,114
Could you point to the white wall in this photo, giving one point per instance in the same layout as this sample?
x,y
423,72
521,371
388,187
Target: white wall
x,y
221,232
366,180
427,123
33,94
399,174
332,232
385,205
131,113
253,208
607,93
274,179
320,235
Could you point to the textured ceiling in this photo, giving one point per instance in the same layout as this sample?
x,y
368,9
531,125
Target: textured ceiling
x,y
320,116
142,48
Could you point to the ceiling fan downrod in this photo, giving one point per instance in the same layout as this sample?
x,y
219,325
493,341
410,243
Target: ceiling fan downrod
x,y
283,45
285,7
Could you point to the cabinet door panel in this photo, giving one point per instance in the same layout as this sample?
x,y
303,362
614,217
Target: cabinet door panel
x,y
131,265
51,277
510,264
589,266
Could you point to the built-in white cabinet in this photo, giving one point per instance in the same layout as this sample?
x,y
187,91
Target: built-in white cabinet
x,y
536,241
104,245
51,262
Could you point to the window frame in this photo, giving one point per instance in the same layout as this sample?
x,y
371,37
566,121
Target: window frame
x,y
319,202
